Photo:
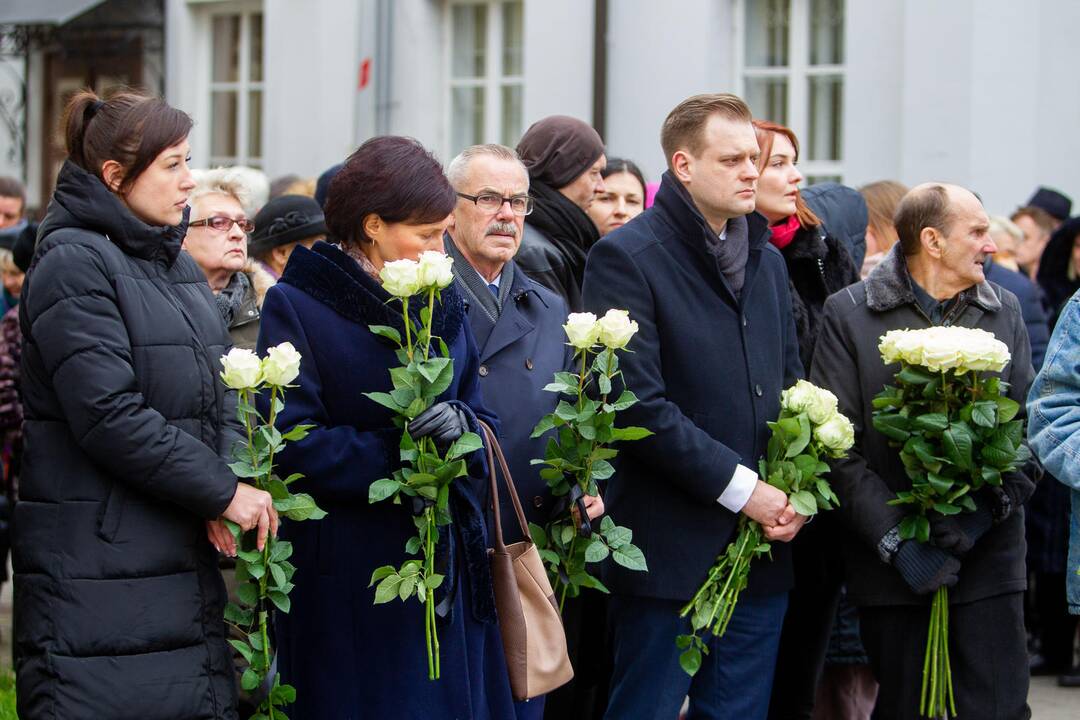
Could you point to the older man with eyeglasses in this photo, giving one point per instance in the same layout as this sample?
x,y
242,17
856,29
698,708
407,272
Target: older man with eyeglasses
x,y
517,323
217,239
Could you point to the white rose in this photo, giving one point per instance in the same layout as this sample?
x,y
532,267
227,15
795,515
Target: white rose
x,y
241,369
281,365
983,351
887,346
582,330
837,434
941,350
818,403
435,269
401,278
616,329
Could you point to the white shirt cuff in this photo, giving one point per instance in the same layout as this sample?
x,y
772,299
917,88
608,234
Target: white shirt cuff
x,y
739,490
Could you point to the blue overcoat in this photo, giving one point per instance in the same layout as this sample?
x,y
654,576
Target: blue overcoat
x,y
346,657
519,354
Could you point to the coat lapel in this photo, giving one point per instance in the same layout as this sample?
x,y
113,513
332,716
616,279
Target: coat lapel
x,y
512,324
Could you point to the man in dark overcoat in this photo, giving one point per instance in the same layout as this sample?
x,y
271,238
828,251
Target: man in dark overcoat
x,y
933,276
516,321
715,348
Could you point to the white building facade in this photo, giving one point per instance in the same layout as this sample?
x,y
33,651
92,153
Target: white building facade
x,y
978,92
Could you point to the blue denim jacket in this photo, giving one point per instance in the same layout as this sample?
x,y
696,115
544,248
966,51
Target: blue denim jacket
x,y
1054,425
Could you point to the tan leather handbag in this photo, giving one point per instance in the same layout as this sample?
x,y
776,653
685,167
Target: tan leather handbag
x,y
534,641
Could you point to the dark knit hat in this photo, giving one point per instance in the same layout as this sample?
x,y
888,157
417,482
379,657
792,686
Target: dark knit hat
x,y
559,149
286,219
1058,205
23,250
322,185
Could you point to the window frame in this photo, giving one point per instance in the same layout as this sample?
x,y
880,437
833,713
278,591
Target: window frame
x,y
243,86
493,81
798,73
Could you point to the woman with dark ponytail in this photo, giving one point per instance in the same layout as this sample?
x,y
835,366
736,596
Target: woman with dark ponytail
x,y
118,599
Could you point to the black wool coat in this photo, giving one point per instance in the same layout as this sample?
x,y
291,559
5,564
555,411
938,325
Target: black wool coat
x,y
118,599
847,362
708,369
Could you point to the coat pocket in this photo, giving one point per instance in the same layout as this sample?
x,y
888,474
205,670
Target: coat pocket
x,y
111,512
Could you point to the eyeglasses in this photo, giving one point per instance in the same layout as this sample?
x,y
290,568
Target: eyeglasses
x,y
519,204
222,223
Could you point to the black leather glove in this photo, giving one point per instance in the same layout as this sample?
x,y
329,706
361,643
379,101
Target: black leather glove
x,y
574,502
443,422
957,534
924,567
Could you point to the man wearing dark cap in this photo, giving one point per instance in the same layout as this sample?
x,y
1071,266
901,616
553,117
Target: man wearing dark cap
x,y
1058,205
282,224
564,157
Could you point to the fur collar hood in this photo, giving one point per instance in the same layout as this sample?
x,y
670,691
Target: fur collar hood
x,y
889,286
333,278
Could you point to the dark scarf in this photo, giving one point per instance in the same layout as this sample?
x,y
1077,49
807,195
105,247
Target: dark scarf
x,y
475,288
565,224
231,298
731,252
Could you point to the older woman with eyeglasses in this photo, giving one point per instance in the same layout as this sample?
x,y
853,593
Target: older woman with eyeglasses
x,y
217,239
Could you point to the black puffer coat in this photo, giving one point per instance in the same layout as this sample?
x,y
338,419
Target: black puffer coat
x,y
118,599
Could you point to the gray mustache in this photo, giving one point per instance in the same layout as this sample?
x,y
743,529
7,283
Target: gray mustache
x,y
500,228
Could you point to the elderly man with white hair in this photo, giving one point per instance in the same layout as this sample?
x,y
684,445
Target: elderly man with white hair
x,y
217,239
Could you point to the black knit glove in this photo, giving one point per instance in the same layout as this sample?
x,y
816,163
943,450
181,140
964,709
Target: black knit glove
x,y
443,422
957,534
924,567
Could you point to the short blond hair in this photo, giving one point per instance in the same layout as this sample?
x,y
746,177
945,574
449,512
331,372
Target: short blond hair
x,y
7,261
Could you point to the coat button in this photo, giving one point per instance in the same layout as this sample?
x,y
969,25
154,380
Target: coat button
x,y
483,371
528,364
538,501
757,390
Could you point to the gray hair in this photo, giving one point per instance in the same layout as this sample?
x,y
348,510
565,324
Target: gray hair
x,y
1000,224
247,186
459,166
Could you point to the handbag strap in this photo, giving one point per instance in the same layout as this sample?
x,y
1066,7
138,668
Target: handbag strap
x,y
492,447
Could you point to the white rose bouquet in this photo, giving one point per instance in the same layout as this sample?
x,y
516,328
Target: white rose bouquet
x,y
957,432
579,454
264,576
425,474
808,430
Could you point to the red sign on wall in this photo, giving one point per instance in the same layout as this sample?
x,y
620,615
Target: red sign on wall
x,y
365,74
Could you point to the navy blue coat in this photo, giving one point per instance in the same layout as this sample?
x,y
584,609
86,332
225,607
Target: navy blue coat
x,y
519,354
708,370
346,657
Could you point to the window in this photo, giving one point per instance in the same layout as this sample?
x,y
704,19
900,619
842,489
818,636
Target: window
x,y
486,44
236,89
791,55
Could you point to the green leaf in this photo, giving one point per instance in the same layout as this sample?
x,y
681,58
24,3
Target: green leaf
x,y
908,527
683,641
385,400
386,331
248,594
382,489
690,661
278,575
914,375
618,536
935,422
238,615
278,489
300,507
433,581
595,551
602,470
431,369
626,399
630,433
946,508
630,557
922,528
984,414
957,443
281,600
892,426
604,384
546,423
249,680
243,648
297,433
606,524
407,588
538,535
382,572
1007,408
566,534
387,589
804,503
243,469
467,443
941,485
566,411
